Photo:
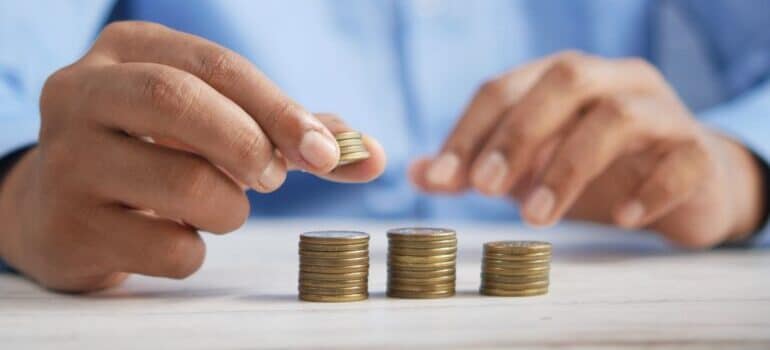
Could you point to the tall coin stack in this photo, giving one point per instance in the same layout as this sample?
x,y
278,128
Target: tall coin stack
x,y
515,268
333,266
421,263
352,148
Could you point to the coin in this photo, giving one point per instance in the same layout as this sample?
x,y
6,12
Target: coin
x,y
349,142
334,237
433,244
517,247
309,282
421,281
333,247
522,263
347,135
333,298
541,270
420,234
421,252
335,255
353,149
421,267
517,267
421,288
514,279
339,290
518,257
406,259
514,286
333,269
513,293
332,261
420,295
397,273
319,276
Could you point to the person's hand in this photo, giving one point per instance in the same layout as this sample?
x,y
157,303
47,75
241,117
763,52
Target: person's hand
x,y
600,139
153,135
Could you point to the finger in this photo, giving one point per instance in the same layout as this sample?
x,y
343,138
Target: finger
x,y
596,141
417,175
362,171
176,185
448,171
302,139
162,102
570,83
677,176
139,242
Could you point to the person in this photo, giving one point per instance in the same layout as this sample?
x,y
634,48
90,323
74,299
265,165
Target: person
x,y
640,114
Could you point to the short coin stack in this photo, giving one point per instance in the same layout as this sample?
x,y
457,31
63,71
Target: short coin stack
x,y
421,263
352,148
333,266
515,268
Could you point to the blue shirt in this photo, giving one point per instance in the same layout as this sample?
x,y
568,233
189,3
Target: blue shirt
x,y
402,71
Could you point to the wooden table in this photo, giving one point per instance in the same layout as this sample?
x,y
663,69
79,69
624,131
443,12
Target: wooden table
x,y
609,289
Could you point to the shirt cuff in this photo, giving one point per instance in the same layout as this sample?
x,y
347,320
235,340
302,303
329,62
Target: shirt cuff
x,y
6,163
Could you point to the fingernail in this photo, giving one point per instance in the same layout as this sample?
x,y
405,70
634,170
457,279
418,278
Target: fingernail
x,y
631,214
443,169
539,204
490,174
318,150
273,175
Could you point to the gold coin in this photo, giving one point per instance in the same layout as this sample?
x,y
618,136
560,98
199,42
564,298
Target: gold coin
x,y
421,252
347,135
489,284
333,298
394,265
421,287
518,257
512,272
521,263
333,247
420,295
341,290
421,234
353,157
335,255
421,281
333,269
353,149
443,243
406,259
304,282
421,274
349,276
338,262
517,247
517,266
350,142
334,237
514,279
513,293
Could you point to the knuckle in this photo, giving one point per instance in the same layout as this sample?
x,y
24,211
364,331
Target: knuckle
x,y
197,180
566,169
252,150
493,90
172,95
56,92
221,67
613,110
647,69
282,110
184,255
565,73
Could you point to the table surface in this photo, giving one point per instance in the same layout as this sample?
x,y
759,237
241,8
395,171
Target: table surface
x,y
609,289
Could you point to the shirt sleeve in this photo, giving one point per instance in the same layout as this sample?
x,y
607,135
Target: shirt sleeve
x,y
735,33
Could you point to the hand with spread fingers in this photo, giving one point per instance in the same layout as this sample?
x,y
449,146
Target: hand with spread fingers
x,y
151,136
607,140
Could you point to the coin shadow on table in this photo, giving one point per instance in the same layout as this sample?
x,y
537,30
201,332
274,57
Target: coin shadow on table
x,y
268,297
173,294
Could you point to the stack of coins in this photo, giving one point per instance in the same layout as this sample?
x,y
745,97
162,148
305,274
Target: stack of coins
x,y
421,263
352,148
515,268
333,266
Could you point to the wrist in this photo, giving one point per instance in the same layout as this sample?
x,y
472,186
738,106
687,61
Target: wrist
x,y
13,189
